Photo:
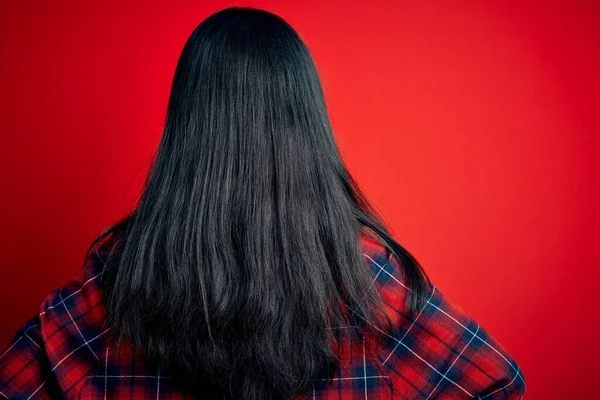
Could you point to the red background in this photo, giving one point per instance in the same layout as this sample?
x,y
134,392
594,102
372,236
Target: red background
x,y
472,125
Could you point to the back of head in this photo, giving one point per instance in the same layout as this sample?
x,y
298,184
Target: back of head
x,y
244,246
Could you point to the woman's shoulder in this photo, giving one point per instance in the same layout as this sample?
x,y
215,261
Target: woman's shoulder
x,y
78,305
55,349
440,347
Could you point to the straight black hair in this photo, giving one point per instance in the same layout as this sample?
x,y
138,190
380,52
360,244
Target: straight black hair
x,y
243,249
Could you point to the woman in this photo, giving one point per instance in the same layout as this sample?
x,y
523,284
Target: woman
x,y
253,267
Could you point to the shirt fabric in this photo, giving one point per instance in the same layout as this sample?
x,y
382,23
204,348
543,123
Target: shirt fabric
x,y
67,351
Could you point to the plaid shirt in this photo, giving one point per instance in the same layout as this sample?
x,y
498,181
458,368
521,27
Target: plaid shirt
x,y
67,351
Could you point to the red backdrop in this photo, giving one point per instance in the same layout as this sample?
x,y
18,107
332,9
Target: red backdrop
x,y
472,125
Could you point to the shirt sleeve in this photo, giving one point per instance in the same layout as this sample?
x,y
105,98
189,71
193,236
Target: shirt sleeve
x,y
24,367
440,352
475,361
452,356
53,353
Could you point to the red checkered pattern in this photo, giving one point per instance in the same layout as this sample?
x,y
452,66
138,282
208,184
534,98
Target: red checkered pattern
x,y
67,351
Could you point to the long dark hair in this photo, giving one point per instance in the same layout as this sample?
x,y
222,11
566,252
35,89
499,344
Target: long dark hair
x,y
244,247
